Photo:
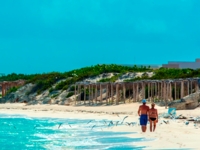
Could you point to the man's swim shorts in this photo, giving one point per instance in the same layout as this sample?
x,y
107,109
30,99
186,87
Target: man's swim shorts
x,y
143,120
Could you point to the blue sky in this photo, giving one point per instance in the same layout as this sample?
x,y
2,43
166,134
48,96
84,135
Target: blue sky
x,y
60,35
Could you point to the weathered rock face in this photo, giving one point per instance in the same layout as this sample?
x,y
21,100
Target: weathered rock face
x,y
130,75
8,98
46,100
97,78
188,102
62,96
66,102
21,95
162,103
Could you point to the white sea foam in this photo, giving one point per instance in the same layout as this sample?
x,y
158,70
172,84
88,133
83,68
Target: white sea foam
x,y
46,133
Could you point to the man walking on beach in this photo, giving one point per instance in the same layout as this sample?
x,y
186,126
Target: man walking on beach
x,y
143,113
153,117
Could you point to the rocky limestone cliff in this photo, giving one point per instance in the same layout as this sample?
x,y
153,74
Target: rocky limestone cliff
x,y
59,96
189,102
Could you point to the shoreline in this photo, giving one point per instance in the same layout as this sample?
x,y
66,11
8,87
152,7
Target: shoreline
x,y
173,135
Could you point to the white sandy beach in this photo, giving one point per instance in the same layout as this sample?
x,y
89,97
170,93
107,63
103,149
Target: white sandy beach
x,y
173,135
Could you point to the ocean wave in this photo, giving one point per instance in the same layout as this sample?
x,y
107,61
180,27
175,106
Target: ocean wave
x,y
52,133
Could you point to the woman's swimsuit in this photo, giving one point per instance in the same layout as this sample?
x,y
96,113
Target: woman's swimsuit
x,y
152,119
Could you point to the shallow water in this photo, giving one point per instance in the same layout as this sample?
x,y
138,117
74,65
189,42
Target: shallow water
x,y
21,133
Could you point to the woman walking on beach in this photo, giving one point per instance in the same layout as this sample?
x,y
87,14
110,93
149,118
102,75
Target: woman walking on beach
x,y
153,117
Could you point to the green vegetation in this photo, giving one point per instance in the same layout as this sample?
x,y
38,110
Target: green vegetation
x,y
112,79
14,77
47,80
60,85
164,73
54,95
13,89
44,81
136,79
70,94
50,90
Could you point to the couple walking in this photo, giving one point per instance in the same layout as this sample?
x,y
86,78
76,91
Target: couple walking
x,y
148,114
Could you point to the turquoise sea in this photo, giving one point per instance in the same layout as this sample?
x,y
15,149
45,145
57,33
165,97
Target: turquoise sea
x,y
24,133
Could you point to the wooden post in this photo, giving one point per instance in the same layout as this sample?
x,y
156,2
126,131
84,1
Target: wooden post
x,y
79,92
143,90
137,91
162,91
124,92
196,86
178,91
84,93
96,88
107,94
156,92
148,91
112,92
165,99
3,89
170,91
134,97
75,94
182,89
117,94
159,90
188,86
171,98
100,93
151,86
175,90
129,87
167,94
92,96
165,91
89,95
